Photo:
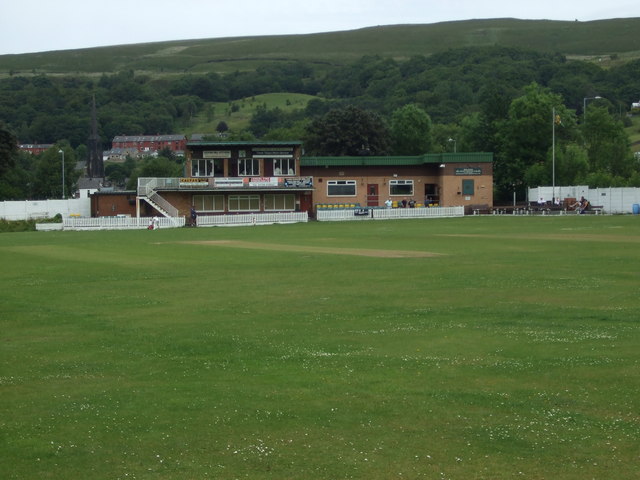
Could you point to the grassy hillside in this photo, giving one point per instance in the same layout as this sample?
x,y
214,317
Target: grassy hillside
x,y
597,39
237,114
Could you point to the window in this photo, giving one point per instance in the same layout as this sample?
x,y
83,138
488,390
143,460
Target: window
x,y
468,187
244,203
249,167
207,167
341,188
208,203
284,166
279,202
400,187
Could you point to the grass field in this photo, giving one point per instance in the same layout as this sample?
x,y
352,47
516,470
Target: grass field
x,y
493,348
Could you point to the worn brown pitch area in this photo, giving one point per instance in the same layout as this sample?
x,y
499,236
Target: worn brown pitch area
x,y
312,249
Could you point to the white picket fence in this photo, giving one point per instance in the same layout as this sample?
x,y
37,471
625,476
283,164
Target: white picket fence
x,y
117,223
251,219
359,214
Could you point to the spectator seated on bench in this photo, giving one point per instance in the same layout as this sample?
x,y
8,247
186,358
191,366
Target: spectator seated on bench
x,y
584,206
580,206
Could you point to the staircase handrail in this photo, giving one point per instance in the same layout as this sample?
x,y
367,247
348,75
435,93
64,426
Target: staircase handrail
x,y
146,186
170,210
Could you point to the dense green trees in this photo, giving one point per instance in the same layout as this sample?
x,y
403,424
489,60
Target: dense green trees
x,y
486,99
595,153
8,149
606,142
525,136
347,131
160,166
48,173
410,131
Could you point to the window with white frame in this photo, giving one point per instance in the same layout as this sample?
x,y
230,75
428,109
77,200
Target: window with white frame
x,y
279,202
207,167
208,203
244,203
341,188
400,187
248,167
284,166
201,167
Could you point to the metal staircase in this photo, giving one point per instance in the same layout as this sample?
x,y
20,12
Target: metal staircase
x,y
147,192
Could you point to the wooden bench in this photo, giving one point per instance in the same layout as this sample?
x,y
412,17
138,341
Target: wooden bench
x,y
591,210
594,210
478,209
509,210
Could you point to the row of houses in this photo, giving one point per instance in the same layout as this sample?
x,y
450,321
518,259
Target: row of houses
x,y
142,145
131,145
226,178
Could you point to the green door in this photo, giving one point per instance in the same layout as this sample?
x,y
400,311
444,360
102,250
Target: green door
x,y
468,187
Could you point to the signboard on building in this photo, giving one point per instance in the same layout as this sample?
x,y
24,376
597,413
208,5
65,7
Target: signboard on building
x,y
263,182
216,154
273,152
229,182
193,182
468,171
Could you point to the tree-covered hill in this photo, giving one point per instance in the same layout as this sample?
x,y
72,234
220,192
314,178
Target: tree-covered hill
x,y
597,39
463,81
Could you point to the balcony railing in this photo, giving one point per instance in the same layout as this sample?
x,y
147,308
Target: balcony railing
x,y
148,185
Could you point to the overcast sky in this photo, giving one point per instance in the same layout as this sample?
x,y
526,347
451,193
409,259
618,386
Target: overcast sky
x,y
37,25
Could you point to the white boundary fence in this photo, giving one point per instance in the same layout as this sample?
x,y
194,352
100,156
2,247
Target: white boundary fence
x,y
251,219
359,214
28,209
118,223
612,200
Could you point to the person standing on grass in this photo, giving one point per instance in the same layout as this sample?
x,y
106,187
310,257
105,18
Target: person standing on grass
x,y
194,216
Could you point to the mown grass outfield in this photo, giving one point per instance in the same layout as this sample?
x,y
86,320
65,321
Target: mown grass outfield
x,y
471,348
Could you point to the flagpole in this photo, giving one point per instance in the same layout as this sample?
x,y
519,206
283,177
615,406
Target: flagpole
x,y
553,155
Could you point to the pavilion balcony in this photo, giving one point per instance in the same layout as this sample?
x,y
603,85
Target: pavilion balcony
x,y
148,185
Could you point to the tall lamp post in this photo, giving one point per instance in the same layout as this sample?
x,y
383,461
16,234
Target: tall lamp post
x,y
455,145
584,106
584,115
62,153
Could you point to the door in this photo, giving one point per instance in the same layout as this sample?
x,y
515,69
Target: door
x,y
306,203
372,195
468,187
